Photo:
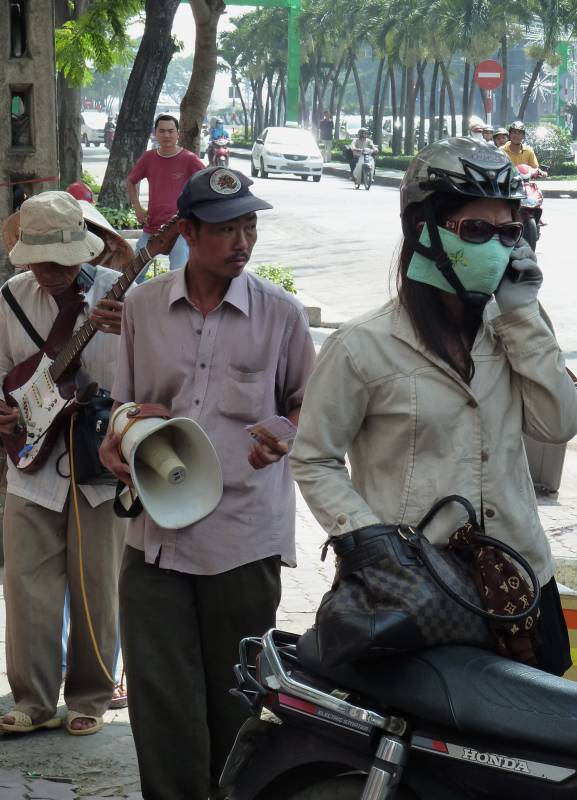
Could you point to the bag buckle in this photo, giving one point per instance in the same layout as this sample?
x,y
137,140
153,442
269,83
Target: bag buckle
x,y
407,533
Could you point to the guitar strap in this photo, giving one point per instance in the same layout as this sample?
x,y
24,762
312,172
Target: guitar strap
x,y
85,280
22,318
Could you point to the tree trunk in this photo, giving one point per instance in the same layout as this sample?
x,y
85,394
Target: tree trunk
x,y
238,90
381,108
136,115
451,96
378,129
410,94
340,99
197,97
334,89
504,98
529,89
396,140
69,99
422,113
442,96
432,103
359,91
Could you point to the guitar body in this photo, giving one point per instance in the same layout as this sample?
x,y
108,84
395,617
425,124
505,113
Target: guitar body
x,y
43,407
42,387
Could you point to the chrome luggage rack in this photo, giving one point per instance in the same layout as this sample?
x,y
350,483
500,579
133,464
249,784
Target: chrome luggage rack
x,y
279,649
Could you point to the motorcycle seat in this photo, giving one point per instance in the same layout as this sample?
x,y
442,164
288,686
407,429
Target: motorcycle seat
x,y
465,688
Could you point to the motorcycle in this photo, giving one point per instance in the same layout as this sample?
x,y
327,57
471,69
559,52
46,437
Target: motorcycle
x,y
364,171
532,204
447,723
220,153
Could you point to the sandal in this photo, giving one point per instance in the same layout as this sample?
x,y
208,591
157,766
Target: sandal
x,y
73,715
119,698
23,723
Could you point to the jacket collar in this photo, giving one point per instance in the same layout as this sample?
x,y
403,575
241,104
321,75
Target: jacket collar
x,y
404,330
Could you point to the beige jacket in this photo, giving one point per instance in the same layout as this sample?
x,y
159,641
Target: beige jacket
x,y
415,432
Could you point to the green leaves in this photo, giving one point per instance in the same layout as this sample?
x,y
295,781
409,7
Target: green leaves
x,y
97,40
276,273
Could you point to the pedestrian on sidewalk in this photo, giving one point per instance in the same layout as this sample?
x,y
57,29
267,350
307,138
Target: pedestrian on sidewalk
x,y
41,540
166,168
429,396
227,349
326,130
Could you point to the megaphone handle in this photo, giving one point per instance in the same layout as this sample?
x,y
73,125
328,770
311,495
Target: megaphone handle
x,y
122,512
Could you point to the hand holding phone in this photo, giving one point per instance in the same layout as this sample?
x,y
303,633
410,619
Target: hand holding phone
x,y
279,428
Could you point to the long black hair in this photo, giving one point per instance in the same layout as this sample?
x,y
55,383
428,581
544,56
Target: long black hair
x,y
424,304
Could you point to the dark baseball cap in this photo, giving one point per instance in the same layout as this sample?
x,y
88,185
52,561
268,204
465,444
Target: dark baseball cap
x,y
218,194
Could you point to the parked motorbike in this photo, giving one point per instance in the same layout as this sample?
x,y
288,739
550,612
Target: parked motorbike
x,y
220,153
448,723
532,204
364,171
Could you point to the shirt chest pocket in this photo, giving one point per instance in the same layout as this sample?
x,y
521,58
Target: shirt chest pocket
x,y
242,394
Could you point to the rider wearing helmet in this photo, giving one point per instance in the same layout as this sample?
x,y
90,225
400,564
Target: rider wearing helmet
x,y
443,176
516,149
500,137
362,142
488,133
428,395
476,127
216,132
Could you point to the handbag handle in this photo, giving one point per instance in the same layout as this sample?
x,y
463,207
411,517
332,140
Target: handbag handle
x,y
413,540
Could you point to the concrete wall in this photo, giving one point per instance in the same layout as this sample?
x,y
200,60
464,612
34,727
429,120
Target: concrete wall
x,y
28,146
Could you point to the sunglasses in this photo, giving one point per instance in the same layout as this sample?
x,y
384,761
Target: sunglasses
x,y
479,231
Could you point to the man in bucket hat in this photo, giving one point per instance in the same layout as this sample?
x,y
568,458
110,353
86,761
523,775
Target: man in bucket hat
x,y
227,349
40,536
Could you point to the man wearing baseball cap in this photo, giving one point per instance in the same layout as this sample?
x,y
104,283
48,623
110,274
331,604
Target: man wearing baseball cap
x,y
226,349
40,537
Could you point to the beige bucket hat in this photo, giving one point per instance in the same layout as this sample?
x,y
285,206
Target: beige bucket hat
x,y
117,253
52,228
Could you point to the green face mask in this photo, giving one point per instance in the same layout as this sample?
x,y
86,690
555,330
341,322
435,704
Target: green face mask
x,y
479,267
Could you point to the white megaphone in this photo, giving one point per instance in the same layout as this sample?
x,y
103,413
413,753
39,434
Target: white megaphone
x,y
174,467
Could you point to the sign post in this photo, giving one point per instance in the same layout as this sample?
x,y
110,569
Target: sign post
x,y
489,75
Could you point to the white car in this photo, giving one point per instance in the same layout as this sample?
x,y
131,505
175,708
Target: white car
x,y
92,127
279,151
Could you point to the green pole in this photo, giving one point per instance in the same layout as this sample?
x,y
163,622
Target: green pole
x,y
293,62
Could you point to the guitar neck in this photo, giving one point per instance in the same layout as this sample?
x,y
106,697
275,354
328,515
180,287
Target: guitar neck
x,y
84,334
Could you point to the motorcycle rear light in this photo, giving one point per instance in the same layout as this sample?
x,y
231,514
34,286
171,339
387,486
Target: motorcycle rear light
x,y
296,703
439,746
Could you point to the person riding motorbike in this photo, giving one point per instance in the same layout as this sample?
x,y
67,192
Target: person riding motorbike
x,y
488,133
216,132
429,395
500,137
518,151
362,142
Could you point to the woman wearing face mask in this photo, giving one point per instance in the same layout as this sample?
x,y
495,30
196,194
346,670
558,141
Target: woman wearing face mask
x,y
429,395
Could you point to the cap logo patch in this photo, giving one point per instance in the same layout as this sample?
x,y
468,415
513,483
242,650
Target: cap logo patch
x,y
224,182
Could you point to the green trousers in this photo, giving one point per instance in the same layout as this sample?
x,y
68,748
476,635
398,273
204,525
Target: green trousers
x,y
180,636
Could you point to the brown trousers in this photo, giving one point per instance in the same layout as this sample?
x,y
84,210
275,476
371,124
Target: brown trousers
x,y
41,559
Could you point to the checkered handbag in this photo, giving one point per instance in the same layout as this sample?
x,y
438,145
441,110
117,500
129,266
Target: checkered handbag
x,y
395,592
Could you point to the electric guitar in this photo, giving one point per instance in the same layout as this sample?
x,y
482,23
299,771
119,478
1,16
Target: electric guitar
x,y
42,386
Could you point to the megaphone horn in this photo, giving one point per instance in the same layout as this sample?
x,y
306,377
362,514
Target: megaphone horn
x,y
174,467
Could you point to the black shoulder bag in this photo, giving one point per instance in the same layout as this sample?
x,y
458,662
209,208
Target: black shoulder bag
x,y
396,592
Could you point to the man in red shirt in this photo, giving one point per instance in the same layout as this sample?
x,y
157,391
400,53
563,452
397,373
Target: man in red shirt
x,y
167,169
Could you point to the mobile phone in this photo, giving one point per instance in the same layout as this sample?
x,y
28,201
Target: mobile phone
x,y
278,427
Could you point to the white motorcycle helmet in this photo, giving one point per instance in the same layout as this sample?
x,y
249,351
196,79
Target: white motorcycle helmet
x,y
476,127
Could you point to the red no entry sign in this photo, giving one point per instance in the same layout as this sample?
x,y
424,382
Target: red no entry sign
x,y
489,74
